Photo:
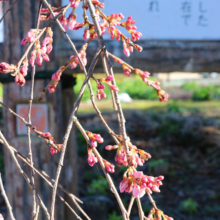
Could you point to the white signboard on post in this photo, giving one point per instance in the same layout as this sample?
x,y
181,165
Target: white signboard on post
x,y
166,19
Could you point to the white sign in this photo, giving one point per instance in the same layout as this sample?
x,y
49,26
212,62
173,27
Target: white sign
x,y
166,19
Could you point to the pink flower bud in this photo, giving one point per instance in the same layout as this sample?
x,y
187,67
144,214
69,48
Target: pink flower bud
x,y
100,86
46,57
93,142
52,88
20,80
109,78
113,87
53,151
39,58
98,138
24,41
137,174
46,41
49,48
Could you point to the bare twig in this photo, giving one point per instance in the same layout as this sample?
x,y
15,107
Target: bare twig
x,y
140,210
24,174
34,213
6,200
130,205
9,9
108,177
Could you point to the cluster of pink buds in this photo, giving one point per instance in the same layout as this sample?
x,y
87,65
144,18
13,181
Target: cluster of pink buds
x,y
120,156
82,54
70,22
19,78
139,184
157,215
55,79
74,3
100,86
114,21
110,168
162,95
92,159
50,140
40,52
7,68
143,74
134,156
131,28
98,3
94,138
30,36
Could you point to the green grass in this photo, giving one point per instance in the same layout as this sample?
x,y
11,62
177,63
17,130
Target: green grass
x,y
187,106
132,85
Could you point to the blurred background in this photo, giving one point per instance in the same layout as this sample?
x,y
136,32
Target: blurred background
x,y
181,49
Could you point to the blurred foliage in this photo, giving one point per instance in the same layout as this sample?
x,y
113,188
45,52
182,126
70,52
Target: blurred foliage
x,y
174,107
132,85
153,164
114,216
202,93
189,205
98,186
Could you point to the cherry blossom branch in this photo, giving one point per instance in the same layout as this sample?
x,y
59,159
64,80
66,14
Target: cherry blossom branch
x,y
38,133
108,177
34,214
24,174
110,131
63,69
101,43
130,205
140,210
9,9
48,180
6,199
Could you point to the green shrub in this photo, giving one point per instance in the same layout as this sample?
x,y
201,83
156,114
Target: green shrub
x,y
114,216
189,205
132,85
99,185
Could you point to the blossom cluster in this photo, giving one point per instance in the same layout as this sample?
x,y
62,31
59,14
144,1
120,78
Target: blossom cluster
x,y
94,138
92,159
50,141
133,157
162,95
157,215
40,52
139,184
100,86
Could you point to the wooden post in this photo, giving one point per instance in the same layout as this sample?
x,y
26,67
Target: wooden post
x,y
57,111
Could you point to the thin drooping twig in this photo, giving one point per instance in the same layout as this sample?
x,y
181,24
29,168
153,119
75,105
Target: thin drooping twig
x,y
130,205
152,201
102,44
100,114
9,9
6,199
108,177
132,68
110,70
38,133
48,180
63,69
34,213
140,210
24,174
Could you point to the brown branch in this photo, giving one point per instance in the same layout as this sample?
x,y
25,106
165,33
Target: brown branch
x,y
9,9
24,174
48,180
130,205
34,213
108,177
6,199
110,70
140,210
